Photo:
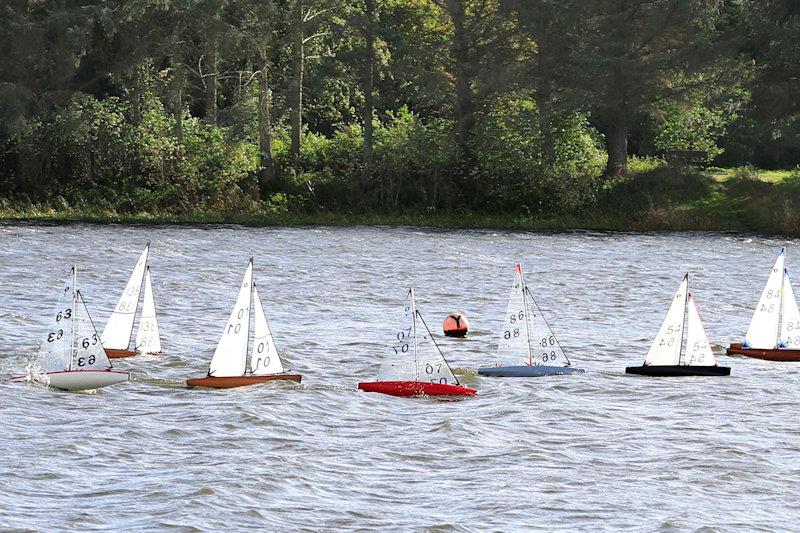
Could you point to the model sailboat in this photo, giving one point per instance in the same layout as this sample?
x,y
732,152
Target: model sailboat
x,y
667,356
417,367
72,356
774,331
118,332
229,366
528,347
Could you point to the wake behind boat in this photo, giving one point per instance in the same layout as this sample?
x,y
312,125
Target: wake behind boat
x,y
72,356
418,368
527,347
667,357
229,366
774,331
118,333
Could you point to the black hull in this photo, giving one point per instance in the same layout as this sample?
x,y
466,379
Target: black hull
x,y
678,370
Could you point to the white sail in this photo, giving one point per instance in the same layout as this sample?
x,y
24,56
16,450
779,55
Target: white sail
x,y
264,358
148,339
89,353
230,357
416,355
790,317
514,347
118,330
666,347
763,330
402,365
545,349
698,349
56,350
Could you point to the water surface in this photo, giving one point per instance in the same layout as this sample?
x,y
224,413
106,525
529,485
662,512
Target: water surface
x,y
599,451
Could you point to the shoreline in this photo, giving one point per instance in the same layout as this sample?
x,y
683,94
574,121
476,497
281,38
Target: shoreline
x,y
660,222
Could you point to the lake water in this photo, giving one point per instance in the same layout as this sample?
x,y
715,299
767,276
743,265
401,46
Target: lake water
x,y
599,451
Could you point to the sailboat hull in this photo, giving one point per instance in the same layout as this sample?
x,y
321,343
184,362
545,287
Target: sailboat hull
x,y
415,388
77,380
115,353
239,381
678,370
525,371
777,354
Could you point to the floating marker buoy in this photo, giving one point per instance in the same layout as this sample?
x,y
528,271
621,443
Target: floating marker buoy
x,y
455,325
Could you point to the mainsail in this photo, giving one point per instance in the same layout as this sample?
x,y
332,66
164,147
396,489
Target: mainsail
x,y
230,356
545,349
763,331
148,339
264,358
117,333
698,349
666,347
790,317
89,352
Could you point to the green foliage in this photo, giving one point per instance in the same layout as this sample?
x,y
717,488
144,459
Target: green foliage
x,y
509,149
693,125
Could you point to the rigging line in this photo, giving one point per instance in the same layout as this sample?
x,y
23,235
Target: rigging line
x,y
437,349
569,363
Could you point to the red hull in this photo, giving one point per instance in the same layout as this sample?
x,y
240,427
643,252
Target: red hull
x,y
239,381
415,388
777,354
114,353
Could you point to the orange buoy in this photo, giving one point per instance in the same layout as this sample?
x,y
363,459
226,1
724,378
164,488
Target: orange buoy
x,y
455,325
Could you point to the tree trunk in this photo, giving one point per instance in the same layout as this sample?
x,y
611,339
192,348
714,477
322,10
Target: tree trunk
x,y
177,97
617,147
544,101
211,80
296,84
268,178
465,107
368,80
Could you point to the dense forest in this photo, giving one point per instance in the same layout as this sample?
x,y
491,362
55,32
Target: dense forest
x,y
501,106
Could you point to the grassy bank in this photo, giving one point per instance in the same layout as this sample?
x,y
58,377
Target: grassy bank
x,y
653,198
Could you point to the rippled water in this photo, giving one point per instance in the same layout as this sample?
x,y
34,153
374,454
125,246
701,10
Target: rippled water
x,y
596,451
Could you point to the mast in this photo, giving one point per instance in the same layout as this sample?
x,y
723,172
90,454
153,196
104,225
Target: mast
x,y
141,295
72,317
780,309
248,358
414,333
681,354
527,321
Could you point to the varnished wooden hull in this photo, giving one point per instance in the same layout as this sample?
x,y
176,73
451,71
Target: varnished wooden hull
x,y
114,353
776,354
239,381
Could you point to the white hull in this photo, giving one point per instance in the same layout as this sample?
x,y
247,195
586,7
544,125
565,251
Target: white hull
x,y
79,379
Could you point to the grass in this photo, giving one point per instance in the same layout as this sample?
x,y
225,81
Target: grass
x,y
654,197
